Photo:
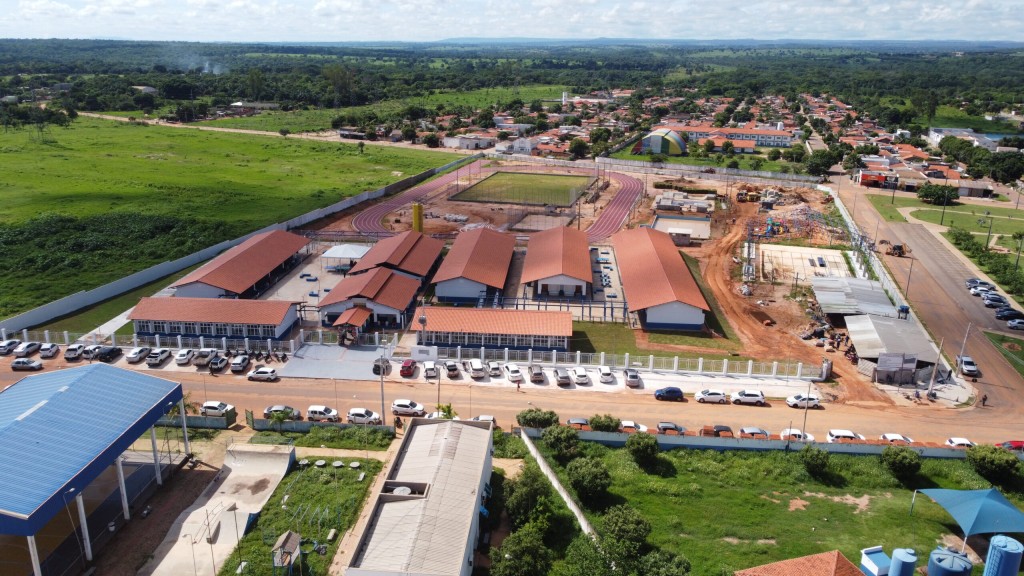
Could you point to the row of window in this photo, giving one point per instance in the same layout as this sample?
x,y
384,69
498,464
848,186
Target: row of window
x,y
205,328
498,340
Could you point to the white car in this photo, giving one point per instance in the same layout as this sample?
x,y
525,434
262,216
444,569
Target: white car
x,y
215,408
630,427
363,416
74,351
321,413
406,407
485,418
959,442
239,363
26,349
49,350
263,374
493,368
967,365
138,354
981,289
755,397
513,373
184,356
840,435
710,395
429,369
439,416
796,435
579,375
8,346
89,351
26,364
803,401
158,356
604,374
894,438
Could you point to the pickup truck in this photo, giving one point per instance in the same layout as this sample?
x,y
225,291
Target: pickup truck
x,y
204,356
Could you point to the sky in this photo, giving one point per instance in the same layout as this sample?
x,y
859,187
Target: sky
x,y
429,20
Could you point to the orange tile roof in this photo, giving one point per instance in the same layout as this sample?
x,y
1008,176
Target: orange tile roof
x,y
216,310
381,285
652,270
497,321
825,564
481,255
354,316
409,251
557,251
238,268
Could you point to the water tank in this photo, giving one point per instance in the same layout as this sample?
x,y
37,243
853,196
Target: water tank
x,y
1004,556
943,562
904,561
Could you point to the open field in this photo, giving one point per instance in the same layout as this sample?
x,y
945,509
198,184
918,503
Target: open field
x,y
1006,220
525,188
952,117
727,511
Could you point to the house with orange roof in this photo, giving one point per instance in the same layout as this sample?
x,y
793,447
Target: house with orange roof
x,y
411,253
214,318
825,564
557,264
476,266
246,270
495,328
656,282
739,146
382,294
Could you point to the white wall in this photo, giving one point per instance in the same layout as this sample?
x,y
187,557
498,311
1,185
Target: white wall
x,y
459,288
198,290
675,313
289,319
563,281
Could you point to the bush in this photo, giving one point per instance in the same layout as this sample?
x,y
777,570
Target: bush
x,y
526,497
563,442
604,423
624,534
589,477
903,462
508,445
523,553
815,460
537,418
643,448
995,464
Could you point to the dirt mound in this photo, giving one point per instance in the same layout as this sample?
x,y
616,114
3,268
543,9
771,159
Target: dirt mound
x,y
1012,346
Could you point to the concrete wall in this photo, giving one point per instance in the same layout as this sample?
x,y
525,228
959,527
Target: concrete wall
x,y
198,290
675,314
460,289
193,421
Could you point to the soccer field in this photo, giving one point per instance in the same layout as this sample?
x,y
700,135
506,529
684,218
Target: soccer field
x,y
525,188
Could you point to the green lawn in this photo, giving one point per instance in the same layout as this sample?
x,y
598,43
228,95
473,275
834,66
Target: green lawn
x,y
950,117
350,438
524,188
1011,348
966,216
731,510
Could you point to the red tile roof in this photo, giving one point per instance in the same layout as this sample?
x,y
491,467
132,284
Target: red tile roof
x,y
481,255
409,251
497,321
355,316
825,564
557,251
652,270
216,310
238,268
383,286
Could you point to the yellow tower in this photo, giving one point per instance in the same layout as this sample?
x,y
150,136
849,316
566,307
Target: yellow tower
x,y
417,217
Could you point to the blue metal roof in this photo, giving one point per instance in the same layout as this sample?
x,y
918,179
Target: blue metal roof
x,y
60,430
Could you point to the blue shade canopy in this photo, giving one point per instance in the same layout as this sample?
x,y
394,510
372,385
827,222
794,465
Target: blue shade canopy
x,y
979,511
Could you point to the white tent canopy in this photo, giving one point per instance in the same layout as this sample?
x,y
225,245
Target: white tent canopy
x,y
347,251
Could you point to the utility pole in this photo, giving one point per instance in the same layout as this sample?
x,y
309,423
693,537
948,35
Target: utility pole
x,y
964,345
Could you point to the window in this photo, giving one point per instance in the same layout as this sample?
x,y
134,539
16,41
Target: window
x,y
222,330
175,327
143,326
267,331
205,328
252,330
160,327
189,328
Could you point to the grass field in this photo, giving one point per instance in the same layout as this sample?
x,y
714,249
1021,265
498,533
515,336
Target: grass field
x,y
1011,348
731,510
526,188
1006,220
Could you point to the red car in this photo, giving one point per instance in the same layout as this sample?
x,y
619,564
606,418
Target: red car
x,y
1013,445
408,367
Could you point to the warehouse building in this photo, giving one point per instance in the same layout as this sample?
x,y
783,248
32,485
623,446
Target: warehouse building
x,y
214,318
247,270
494,328
476,266
558,264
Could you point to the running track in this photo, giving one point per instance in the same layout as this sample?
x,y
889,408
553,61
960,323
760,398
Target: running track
x,y
610,220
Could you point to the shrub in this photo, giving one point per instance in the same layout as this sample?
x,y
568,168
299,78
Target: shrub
x,y
537,418
643,448
815,460
662,563
523,553
604,423
624,534
589,477
995,464
903,462
526,497
508,445
563,441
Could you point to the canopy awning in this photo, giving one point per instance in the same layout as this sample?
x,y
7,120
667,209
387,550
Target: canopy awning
x,y
355,316
979,511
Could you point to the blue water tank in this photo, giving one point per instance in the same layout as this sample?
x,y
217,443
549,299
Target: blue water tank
x,y
1004,556
904,561
943,562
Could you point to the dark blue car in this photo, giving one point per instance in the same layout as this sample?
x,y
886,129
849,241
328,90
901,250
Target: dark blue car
x,y
670,393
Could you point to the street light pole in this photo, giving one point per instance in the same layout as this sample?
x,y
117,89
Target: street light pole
x,y
991,220
908,277
384,365
945,200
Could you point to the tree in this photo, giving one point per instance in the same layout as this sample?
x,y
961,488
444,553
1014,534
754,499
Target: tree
x,y
523,553
624,534
447,411
661,563
537,418
658,158
1006,167
709,146
578,148
563,441
284,132
774,154
756,163
728,147
938,194
994,463
604,423
340,79
502,136
255,82
643,448
815,460
598,135
526,497
360,145
852,162
734,163
432,140
589,477
903,462
583,558
408,133
819,162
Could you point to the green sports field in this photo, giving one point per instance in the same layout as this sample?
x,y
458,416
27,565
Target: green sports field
x,y
525,188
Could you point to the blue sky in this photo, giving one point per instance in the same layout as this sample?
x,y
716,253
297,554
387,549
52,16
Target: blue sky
x,y
425,20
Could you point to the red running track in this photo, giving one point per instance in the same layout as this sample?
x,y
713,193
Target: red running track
x,y
610,220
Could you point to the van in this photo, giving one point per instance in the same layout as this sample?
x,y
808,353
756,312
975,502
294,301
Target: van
x,y
476,368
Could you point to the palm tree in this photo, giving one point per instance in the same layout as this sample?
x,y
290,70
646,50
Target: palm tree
x,y
191,407
278,418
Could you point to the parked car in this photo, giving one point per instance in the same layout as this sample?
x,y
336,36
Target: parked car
x,y
632,376
562,377
289,412
74,352
137,354
49,350
716,430
604,374
967,366
381,365
710,395
840,435
956,442
486,418
1015,324
755,397
405,407
579,375
513,373
90,351
578,423
321,413
1012,445
993,301
205,355
894,438
184,356
795,434
8,346
631,427
668,393
1009,314
408,368
26,349
451,368
26,364
972,282
754,432
803,401
493,369
670,428
429,369
239,364
440,416
363,416
218,364
536,374
262,373
980,289
215,408
157,356
108,354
